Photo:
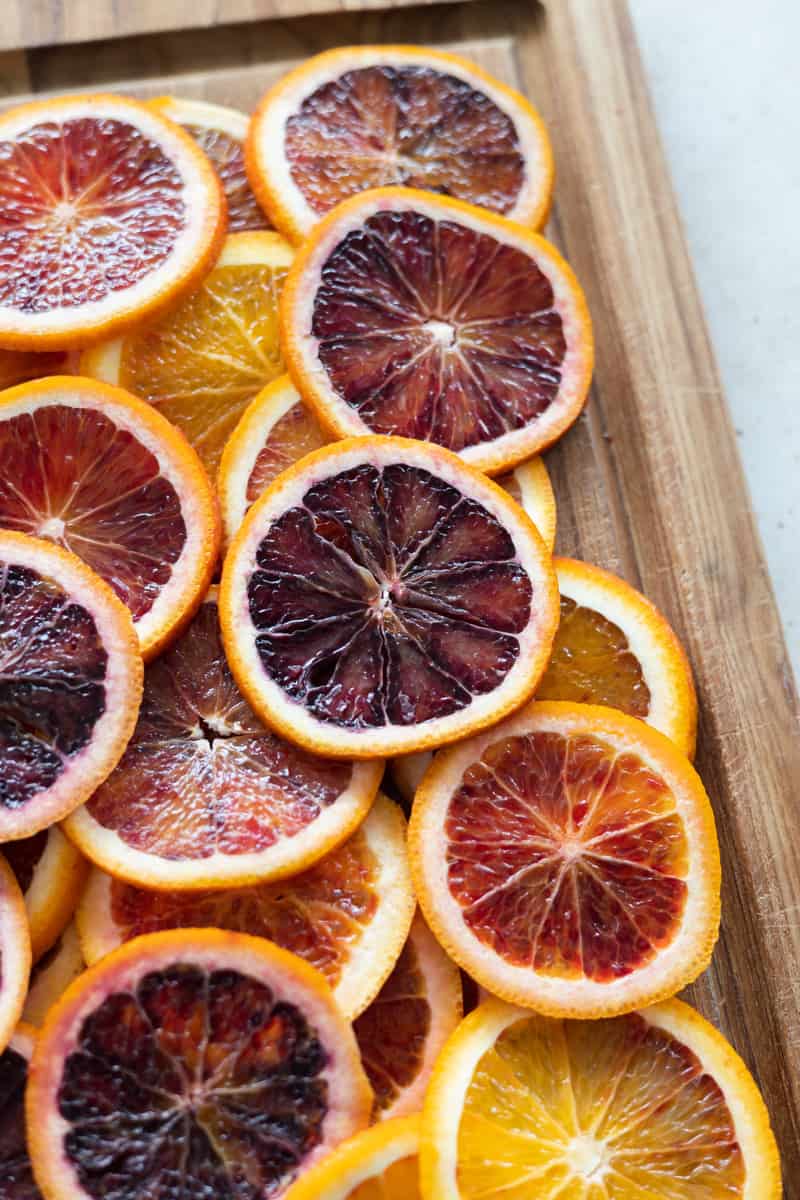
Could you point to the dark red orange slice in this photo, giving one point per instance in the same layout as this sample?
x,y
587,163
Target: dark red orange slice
x,y
15,1165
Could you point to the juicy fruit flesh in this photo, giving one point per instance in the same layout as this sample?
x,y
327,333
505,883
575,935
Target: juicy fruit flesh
x,y
614,1109
15,1166
72,476
387,598
400,1181
293,435
52,682
414,126
566,856
200,1082
23,857
227,157
432,330
88,207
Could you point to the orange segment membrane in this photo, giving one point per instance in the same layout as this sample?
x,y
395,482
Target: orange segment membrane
x,y
15,1166
293,435
567,857
432,330
23,857
387,598
227,158
409,125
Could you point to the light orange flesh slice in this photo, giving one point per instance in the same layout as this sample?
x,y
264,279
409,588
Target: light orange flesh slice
x,y
51,873
52,975
377,1164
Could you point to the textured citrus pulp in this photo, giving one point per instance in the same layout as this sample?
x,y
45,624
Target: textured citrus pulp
x,y
199,1060
15,1165
410,314
377,1164
203,361
568,861
104,475
348,915
204,795
365,116
52,975
15,952
51,873
383,597
107,212
653,1104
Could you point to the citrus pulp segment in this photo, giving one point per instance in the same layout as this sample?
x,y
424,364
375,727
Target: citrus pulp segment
x,y
377,1164
418,316
15,1165
15,952
51,874
222,1054
52,975
361,117
383,597
109,212
568,861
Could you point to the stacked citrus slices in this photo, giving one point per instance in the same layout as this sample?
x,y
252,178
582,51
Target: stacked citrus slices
x,y
273,517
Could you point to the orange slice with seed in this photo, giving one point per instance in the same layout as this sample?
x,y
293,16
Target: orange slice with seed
x,y
51,873
378,1164
52,975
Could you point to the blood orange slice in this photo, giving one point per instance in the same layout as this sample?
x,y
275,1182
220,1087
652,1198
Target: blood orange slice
x,y
530,486
15,1165
51,873
15,952
52,975
568,860
210,1058
378,1164
366,116
107,212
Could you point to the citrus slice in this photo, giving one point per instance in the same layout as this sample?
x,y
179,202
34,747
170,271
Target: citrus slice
x,y
414,315
366,116
15,952
71,685
51,873
52,975
654,1105
406,1025
15,1165
106,476
204,795
109,213
220,133
203,362
348,915
202,1059
18,366
568,861
377,1164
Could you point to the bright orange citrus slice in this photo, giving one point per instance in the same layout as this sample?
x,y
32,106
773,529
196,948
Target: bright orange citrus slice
x,y
227,1054
383,597
15,952
108,212
15,1165
205,796
652,1105
52,975
51,873
414,315
365,116
378,1164
103,474
568,860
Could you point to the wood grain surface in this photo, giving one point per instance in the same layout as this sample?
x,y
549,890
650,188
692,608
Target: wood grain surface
x,y
649,483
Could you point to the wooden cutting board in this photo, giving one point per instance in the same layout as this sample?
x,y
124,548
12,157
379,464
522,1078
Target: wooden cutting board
x,y
649,483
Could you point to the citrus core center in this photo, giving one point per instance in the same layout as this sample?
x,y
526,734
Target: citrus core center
x,y
441,332
52,528
587,1156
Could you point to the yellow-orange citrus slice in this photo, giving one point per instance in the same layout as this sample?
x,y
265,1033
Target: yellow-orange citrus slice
x,y
15,1165
205,796
52,975
110,212
203,361
51,873
225,1053
366,116
103,474
418,316
568,861
15,952
383,597
348,915
378,1164
653,1104
71,686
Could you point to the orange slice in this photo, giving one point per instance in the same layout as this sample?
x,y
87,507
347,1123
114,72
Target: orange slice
x,y
15,952
51,874
15,1166
106,476
418,316
52,975
203,362
109,213
225,1053
365,116
205,796
348,915
377,1164
406,1025
654,1104
568,860
384,597
72,681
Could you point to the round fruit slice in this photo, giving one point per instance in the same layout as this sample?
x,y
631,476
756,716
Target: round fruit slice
x,y
377,1164
51,874
71,685
654,1104
15,952
204,795
220,132
203,362
366,116
226,1054
568,861
15,1165
413,315
109,212
52,975
106,476
384,597
406,1025
348,915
